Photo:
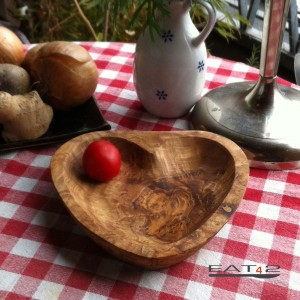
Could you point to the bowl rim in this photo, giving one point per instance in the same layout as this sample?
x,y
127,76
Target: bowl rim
x,y
191,241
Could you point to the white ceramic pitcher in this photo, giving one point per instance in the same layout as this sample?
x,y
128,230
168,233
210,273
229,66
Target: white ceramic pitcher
x,y
170,69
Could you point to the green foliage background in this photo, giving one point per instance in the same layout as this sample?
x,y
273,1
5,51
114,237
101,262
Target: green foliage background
x,y
112,20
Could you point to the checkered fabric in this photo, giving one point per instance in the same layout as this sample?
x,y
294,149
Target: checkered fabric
x,y
45,255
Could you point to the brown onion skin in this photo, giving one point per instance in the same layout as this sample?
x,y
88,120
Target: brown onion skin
x,y
11,47
63,73
31,55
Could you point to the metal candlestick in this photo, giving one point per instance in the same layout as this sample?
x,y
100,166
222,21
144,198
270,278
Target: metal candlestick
x,y
262,117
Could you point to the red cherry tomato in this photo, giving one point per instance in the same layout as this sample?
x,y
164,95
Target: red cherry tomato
x,y
101,160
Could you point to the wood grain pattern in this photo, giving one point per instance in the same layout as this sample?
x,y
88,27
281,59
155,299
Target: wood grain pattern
x,y
174,192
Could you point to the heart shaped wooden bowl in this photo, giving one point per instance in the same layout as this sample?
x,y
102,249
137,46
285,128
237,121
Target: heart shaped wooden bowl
x,y
174,192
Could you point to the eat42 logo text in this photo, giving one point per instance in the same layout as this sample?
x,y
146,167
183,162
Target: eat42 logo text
x,y
257,271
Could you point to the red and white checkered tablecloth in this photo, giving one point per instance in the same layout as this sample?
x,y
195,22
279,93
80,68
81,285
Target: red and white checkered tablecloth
x,y
45,255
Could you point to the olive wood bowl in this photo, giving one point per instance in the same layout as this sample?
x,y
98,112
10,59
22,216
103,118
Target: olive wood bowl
x,y
174,192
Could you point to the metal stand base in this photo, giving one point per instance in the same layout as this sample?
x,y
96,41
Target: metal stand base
x,y
268,131
261,117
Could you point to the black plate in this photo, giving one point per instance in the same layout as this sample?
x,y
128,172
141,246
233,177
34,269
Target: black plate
x,y
65,125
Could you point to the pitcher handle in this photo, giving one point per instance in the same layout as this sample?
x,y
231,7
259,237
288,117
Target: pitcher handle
x,y
209,25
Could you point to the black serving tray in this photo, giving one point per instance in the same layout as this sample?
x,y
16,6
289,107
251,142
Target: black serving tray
x,y
65,125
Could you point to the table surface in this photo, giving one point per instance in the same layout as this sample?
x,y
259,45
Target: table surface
x,y
45,255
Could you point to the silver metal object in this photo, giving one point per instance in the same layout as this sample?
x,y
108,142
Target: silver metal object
x,y
262,117
297,68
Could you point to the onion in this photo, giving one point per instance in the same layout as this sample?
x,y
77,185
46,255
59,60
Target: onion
x,y
11,47
63,73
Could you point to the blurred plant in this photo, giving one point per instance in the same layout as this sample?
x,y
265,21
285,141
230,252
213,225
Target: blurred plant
x,y
254,58
114,20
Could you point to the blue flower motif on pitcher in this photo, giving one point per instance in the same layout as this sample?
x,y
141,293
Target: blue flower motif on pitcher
x,y
161,95
201,66
168,36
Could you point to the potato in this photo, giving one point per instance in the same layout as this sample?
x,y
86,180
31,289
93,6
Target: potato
x,y
14,79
